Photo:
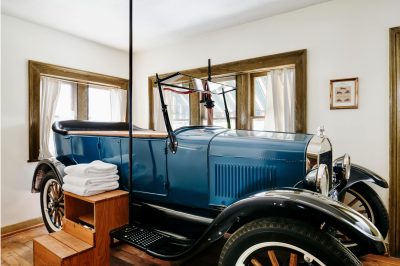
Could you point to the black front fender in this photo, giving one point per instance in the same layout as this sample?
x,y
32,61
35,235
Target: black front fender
x,y
41,170
303,205
359,173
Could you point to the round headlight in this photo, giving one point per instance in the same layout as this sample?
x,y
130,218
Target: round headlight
x,y
318,179
342,166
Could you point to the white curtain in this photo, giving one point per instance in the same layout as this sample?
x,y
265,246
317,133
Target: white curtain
x,y
118,104
159,124
283,99
49,94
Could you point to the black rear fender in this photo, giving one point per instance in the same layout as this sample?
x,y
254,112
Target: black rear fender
x,y
361,174
303,205
43,167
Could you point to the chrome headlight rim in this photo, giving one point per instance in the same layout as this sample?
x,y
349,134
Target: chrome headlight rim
x,y
318,179
344,164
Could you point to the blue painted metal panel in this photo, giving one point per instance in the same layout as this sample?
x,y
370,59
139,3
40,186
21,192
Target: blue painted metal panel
x,y
149,167
243,162
85,149
211,166
188,167
63,146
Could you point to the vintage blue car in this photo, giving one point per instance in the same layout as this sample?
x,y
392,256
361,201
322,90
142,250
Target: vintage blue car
x,y
279,195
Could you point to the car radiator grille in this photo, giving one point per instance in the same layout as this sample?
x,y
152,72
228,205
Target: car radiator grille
x,y
326,158
235,181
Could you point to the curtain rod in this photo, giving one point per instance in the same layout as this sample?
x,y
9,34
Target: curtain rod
x,y
80,82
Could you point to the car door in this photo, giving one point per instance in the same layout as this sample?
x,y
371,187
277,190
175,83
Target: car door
x,y
149,166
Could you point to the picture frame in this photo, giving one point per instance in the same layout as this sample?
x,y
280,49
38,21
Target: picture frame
x,y
344,93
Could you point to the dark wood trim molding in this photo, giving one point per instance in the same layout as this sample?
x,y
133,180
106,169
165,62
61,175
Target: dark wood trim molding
x,y
38,69
241,69
83,96
394,145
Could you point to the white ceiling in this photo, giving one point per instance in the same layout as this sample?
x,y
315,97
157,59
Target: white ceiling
x,y
156,22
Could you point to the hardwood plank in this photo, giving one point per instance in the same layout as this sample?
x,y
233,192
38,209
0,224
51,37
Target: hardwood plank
x,y
135,134
24,236
60,250
16,255
124,255
71,241
99,197
376,260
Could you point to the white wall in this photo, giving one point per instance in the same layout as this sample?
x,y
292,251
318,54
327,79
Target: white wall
x,y
344,38
23,41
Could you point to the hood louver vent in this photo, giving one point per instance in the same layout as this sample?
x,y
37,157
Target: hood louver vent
x,y
235,181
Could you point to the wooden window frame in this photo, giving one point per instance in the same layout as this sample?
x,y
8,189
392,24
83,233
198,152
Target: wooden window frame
x,y
242,69
394,145
83,78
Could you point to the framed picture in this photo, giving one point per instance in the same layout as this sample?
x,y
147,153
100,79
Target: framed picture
x,y
344,93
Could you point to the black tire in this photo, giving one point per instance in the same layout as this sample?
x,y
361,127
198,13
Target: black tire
x,y
52,202
287,237
363,199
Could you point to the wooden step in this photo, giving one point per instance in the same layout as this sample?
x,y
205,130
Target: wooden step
x,y
79,231
61,248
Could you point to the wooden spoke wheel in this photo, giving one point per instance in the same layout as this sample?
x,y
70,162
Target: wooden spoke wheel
x,y
52,202
283,241
363,199
277,254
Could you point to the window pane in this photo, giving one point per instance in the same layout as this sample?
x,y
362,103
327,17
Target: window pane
x,y
66,107
178,108
274,99
219,107
260,92
106,104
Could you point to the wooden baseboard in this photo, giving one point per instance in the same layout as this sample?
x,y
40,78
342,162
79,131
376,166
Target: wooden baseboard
x,y
20,227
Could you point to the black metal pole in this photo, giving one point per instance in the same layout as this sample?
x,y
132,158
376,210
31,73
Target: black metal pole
x,y
130,113
209,69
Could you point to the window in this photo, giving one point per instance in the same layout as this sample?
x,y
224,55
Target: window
x,y
106,104
65,106
258,110
219,116
272,100
178,109
58,93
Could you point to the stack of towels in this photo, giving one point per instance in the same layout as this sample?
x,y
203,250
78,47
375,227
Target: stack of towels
x,y
89,179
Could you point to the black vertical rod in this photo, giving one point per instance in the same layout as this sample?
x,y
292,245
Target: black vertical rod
x,y
228,120
209,69
130,112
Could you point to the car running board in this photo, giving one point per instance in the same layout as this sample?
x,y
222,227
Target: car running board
x,y
153,242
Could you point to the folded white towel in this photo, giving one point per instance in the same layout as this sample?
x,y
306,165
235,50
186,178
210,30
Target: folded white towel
x,y
90,190
94,169
88,181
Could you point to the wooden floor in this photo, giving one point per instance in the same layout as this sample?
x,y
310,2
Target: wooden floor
x,y
18,250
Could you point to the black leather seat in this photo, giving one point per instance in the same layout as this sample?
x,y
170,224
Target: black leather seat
x,y
62,127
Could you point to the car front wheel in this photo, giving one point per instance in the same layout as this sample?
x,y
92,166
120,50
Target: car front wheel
x,y
52,202
363,199
284,241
